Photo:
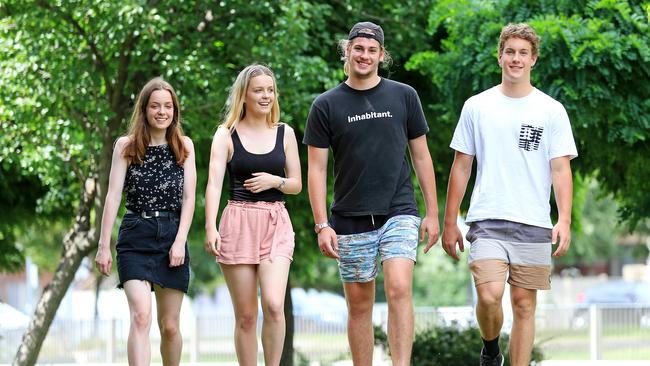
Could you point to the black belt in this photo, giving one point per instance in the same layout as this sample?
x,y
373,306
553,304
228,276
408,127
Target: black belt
x,y
152,214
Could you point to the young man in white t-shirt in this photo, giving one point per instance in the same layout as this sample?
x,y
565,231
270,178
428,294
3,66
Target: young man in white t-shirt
x,y
523,143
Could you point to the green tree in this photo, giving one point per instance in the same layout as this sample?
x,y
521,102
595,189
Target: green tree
x,y
70,72
594,58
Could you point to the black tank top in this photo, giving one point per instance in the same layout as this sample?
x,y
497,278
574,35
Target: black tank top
x,y
243,164
157,184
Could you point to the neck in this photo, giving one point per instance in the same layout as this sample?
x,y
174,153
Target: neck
x,y
365,83
515,90
254,121
157,137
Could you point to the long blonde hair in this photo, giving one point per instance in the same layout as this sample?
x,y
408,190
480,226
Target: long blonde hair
x,y
135,149
235,109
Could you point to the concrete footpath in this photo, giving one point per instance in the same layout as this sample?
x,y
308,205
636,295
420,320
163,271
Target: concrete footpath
x,y
349,363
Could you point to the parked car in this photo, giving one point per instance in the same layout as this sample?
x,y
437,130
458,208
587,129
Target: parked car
x,y
618,301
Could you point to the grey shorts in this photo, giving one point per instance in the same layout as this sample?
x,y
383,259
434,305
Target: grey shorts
x,y
501,248
397,238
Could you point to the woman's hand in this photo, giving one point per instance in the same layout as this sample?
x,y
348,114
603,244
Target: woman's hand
x,y
261,182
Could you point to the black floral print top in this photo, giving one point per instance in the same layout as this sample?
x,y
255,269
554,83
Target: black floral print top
x,y
157,184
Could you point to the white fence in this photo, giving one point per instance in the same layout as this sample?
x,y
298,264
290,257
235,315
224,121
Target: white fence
x,y
563,333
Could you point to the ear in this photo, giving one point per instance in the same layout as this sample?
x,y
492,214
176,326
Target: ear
x,y
381,55
533,59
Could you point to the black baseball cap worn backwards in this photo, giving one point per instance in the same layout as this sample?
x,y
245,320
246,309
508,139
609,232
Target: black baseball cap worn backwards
x,y
367,30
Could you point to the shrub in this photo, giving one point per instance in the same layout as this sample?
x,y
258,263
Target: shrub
x,y
450,346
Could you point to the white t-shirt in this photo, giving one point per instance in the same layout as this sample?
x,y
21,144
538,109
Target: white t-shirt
x,y
514,140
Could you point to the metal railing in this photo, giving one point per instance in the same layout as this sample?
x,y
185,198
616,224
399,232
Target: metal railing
x,y
563,333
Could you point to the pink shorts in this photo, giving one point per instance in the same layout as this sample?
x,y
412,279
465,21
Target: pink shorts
x,y
252,231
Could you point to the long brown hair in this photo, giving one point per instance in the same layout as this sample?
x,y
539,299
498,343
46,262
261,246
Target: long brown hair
x,y
139,135
235,110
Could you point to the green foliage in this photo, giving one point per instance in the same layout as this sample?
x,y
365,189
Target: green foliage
x,y
597,240
71,71
19,196
451,346
594,58
439,280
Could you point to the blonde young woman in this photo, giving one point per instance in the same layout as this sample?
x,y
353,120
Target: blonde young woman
x,y
154,164
255,240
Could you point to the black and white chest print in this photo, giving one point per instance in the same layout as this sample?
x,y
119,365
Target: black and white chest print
x,y
530,137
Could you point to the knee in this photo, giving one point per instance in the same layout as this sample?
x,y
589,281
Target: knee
x,y
246,322
489,301
274,311
360,306
398,292
141,319
523,307
169,327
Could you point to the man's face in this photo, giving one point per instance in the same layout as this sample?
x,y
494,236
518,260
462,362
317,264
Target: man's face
x,y
516,60
364,55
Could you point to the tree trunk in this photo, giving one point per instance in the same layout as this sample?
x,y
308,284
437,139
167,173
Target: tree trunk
x,y
77,244
287,350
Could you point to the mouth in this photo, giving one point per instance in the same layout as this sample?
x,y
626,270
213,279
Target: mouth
x,y
363,64
264,104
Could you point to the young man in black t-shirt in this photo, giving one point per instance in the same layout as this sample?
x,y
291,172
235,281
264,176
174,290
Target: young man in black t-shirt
x,y
369,122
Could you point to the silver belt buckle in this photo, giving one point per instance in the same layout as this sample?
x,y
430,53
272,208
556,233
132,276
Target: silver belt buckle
x,y
144,215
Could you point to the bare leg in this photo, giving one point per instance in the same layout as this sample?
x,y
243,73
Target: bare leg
x,y
489,311
138,294
522,337
360,298
168,304
242,284
398,280
273,277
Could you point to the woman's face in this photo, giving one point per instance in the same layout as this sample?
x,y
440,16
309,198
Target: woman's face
x,y
260,95
160,109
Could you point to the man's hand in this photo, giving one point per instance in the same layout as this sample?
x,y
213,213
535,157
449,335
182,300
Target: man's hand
x,y
451,236
561,231
431,228
327,243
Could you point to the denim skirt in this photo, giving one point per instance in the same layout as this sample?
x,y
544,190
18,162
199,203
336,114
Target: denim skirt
x,y
143,252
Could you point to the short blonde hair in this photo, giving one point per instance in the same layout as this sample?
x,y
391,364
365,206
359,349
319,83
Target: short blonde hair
x,y
235,109
519,30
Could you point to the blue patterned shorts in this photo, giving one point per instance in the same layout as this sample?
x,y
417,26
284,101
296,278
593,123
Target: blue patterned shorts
x,y
397,238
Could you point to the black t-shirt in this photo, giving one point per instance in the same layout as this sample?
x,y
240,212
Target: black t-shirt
x,y
368,131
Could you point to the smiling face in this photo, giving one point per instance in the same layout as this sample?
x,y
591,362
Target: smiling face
x,y
364,57
516,60
160,109
260,95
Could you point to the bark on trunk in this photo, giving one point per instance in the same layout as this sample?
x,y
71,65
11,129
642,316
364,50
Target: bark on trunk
x,y
77,244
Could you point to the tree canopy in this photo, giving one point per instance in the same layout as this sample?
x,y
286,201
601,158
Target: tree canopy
x,y
70,72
